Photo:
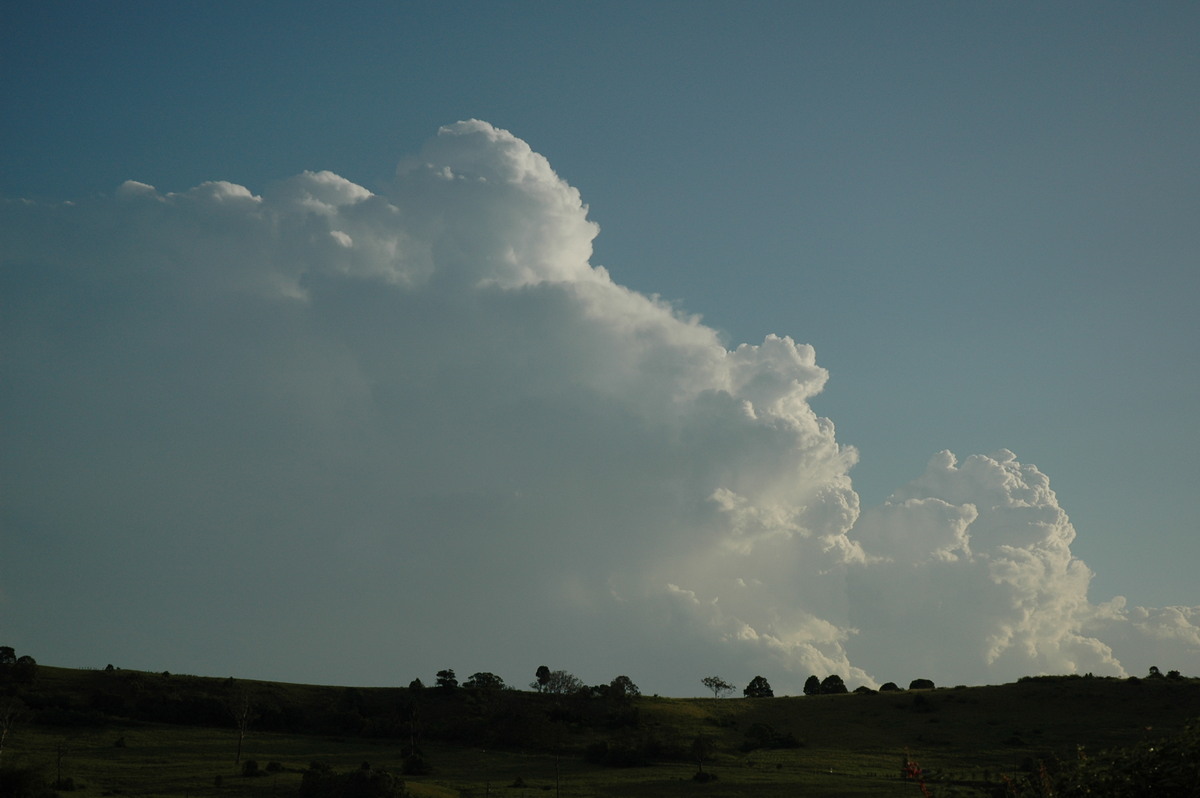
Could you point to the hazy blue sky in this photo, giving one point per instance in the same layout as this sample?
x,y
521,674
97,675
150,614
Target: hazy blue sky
x,y
983,218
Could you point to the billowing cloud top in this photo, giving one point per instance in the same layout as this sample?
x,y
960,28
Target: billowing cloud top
x,y
422,423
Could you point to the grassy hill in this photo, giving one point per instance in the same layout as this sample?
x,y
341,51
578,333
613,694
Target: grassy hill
x,y
130,733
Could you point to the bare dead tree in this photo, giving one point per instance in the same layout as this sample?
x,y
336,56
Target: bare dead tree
x,y
8,718
242,709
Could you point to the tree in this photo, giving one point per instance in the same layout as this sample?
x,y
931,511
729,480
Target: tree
x,y
24,669
812,686
242,710
888,687
720,688
8,716
759,687
8,657
484,681
622,688
833,685
920,684
561,683
541,677
446,680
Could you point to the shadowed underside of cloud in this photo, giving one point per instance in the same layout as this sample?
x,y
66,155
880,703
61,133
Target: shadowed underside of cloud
x,y
421,422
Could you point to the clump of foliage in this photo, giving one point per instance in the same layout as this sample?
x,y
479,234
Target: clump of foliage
x,y
20,670
415,764
557,682
320,781
446,680
833,685
761,735
1169,766
484,681
23,783
759,687
616,755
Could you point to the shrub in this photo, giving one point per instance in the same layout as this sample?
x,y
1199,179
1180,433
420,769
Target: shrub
x,y
23,783
24,670
1169,766
617,755
416,765
920,684
320,781
761,735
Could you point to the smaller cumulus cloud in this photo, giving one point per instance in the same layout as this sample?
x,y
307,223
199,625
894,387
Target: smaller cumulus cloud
x,y
421,413
980,551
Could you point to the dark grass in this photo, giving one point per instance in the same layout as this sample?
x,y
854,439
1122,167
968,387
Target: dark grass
x,y
965,739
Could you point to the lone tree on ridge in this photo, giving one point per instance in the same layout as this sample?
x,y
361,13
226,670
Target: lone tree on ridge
x,y
720,688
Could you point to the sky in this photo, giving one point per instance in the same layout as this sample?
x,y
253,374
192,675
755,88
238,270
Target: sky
x,y
344,345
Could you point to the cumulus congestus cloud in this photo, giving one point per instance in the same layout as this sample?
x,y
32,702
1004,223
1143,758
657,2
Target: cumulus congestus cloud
x,y
422,421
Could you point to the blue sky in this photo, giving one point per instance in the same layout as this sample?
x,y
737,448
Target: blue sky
x,y
981,216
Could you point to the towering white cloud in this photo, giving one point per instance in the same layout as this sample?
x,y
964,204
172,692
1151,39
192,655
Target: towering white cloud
x,y
421,421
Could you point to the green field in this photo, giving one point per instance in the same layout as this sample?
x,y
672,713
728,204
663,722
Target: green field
x,y
99,731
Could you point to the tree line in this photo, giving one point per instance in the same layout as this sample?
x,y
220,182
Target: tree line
x,y
833,684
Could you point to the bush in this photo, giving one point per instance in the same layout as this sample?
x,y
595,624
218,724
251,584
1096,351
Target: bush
x,y
23,783
615,755
24,670
760,735
1169,766
920,684
416,765
320,781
